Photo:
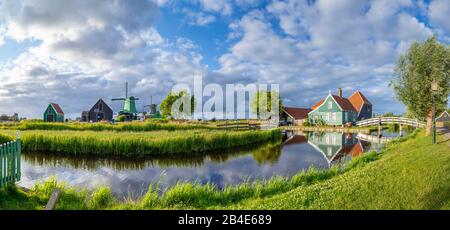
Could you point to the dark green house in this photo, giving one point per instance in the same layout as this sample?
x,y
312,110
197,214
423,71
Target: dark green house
x,y
53,113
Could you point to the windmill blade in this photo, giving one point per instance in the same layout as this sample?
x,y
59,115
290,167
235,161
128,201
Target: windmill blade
x,y
135,99
118,99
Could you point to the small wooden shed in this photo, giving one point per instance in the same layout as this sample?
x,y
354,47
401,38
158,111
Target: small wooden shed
x,y
99,112
53,113
443,120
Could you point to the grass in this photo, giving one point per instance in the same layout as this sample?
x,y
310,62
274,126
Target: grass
x,y
119,127
5,138
156,143
411,173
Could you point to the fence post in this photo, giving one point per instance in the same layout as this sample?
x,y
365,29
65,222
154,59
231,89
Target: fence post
x,y
19,156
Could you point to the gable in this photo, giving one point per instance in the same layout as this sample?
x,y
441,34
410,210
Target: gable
x,y
101,103
329,104
445,116
50,110
357,99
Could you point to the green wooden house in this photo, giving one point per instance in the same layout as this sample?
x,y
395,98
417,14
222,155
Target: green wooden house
x,y
53,113
333,110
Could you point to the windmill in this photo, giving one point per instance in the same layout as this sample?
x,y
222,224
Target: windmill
x,y
129,105
153,110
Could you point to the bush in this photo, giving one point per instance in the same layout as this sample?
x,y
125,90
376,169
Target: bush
x,y
121,118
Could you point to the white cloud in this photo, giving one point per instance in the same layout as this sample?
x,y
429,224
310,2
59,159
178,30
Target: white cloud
x,y
224,7
99,46
323,45
198,18
439,11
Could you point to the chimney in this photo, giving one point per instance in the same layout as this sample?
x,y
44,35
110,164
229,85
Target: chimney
x,y
340,92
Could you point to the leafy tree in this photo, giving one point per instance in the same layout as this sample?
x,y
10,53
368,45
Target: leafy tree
x,y
121,118
172,97
414,73
388,114
264,96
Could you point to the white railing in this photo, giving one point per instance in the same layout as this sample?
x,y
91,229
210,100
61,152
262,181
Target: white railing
x,y
391,120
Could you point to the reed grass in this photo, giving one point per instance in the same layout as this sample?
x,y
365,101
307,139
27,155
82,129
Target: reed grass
x,y
157,143
119,127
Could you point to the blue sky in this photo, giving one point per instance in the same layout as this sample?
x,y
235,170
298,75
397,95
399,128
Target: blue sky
x,y
51,53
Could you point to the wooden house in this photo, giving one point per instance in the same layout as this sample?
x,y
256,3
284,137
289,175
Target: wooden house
x,y
53,113
443,120
294,116
100,111
338,110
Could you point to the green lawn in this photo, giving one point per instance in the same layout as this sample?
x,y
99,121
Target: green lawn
x,y
412,174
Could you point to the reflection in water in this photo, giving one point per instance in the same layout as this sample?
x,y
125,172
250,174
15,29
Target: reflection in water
x,y
267,153
131,177
337,147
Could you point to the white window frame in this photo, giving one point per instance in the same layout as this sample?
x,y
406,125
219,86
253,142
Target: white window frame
x,y
330,105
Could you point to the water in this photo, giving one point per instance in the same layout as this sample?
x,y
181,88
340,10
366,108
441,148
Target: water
x,y
131,177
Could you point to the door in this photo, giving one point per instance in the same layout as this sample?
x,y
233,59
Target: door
x,y
100,116
50,118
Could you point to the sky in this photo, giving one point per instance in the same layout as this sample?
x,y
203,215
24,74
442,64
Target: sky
x,y
75,52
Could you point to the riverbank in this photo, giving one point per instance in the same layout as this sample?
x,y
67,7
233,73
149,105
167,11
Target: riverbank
x,y
156,143
411,173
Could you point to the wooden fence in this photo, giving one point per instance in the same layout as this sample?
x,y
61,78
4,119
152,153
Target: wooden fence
x,y
10,162
237,126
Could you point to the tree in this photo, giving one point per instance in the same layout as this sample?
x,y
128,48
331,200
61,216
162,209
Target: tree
x,y
413,75
264,96
172,97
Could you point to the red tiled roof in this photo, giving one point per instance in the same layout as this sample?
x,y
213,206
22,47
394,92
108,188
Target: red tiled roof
x,y
358,99
297,113
344,103
57,108
317,104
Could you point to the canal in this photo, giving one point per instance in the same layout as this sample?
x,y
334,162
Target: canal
x,y
131,177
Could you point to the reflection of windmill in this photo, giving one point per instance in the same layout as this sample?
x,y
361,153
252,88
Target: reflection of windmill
x,y
129,106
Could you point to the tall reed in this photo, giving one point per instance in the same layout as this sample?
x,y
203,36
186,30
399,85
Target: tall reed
x,y
122,127
158,143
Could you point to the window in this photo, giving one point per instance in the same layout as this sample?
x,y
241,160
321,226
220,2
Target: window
x,y
328,117
100,106
330,105
333,116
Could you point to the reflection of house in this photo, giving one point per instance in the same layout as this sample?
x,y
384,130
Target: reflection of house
x,y
53,113
99,112
336,147
295,116
295,139
337,110
442,119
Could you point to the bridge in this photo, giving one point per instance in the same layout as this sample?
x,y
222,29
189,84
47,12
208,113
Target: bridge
x,y
391,120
